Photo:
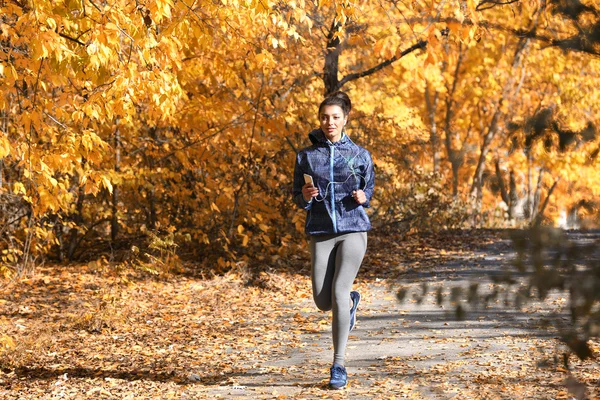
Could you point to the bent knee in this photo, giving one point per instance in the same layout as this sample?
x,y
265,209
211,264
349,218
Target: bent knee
x,y
324,307
323,304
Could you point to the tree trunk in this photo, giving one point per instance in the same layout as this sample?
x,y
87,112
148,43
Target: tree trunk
x,y
152,214
78,219
151,193
455,170
5,130
513,196
536,196
477,186
431,110
527,207
332,58
454,156
114,223
538,220
501,185
332,55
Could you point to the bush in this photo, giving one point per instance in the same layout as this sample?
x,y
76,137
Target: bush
x,y
421,204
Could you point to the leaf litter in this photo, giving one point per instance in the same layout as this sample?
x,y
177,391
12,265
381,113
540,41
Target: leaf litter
x,y
82,332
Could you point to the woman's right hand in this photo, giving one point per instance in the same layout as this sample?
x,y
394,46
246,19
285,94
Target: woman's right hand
x,y
309,191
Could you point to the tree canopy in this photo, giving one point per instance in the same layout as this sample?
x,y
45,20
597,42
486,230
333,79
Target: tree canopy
x,y
183,117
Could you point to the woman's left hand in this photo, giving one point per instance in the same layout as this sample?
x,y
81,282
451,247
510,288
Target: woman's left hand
x,y
359,196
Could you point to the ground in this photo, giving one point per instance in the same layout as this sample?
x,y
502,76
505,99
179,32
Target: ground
x,y
97,332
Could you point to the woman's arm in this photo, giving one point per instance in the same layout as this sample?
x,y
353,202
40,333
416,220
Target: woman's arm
x,y
301,190
369,187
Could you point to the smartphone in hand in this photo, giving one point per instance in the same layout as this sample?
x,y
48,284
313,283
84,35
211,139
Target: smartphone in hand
x,y
308,179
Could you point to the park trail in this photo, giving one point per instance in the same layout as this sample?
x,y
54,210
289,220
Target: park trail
x,y
417,348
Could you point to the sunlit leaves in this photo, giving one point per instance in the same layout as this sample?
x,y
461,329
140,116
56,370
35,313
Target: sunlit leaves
x,y
190,114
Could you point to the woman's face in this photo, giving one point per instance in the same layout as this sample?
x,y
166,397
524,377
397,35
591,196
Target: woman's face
x,y
332,122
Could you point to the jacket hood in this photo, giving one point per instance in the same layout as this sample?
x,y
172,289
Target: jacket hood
x,y
317,136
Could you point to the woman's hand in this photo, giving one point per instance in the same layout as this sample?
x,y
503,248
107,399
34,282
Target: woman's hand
x,y
309,191
359,196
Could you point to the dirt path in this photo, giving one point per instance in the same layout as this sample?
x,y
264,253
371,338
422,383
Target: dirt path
x,y
418,349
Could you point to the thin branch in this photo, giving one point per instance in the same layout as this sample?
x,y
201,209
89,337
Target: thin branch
x,y
83,33
37,82
248,161
572,43
487,4
75,40
420,45
193,11
17,218
539,217
55,120
94,4
291,144
124,33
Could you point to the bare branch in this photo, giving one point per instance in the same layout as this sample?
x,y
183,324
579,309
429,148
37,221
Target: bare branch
x,y
79,42
420,45
55,120
540,215
487,4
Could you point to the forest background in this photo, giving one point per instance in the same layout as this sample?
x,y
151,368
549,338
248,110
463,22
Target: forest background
x,y
144,132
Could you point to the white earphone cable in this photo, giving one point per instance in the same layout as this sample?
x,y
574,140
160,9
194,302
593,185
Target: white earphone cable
x,y
353,173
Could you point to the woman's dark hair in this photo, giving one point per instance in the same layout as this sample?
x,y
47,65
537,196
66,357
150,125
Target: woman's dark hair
x,y
338,98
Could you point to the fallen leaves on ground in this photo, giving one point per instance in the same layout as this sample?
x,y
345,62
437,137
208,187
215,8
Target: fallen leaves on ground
x,y
89,332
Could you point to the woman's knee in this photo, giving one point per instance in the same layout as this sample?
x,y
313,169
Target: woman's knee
x,y
322,303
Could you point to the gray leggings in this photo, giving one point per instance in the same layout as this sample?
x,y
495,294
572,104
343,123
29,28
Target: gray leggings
x,y
335,263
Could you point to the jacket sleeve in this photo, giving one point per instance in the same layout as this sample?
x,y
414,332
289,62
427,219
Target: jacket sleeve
x,y
369,176
298,183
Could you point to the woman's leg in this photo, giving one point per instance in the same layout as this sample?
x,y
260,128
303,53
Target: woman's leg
x,y
349,254
323,251
336,260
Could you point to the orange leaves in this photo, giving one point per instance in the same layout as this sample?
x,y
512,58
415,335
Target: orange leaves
x,y
7,342
245,238
214,207
160,10
263,227
195,121
265,59
4,146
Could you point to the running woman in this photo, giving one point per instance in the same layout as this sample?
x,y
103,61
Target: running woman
x,y
336,220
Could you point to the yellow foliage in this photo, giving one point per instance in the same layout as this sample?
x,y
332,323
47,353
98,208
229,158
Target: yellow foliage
x,y
192,123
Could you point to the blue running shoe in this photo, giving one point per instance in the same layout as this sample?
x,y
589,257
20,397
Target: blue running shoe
x,y
355,297
339,377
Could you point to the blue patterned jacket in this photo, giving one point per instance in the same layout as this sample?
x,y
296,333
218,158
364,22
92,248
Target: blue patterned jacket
x,y
337,170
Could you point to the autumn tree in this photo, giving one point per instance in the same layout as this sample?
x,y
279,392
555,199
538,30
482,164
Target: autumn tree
x,y
183,118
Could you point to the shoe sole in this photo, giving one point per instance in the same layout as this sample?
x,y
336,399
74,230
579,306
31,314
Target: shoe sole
x,y
336,387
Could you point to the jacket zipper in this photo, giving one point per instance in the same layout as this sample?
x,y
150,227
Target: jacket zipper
x,y
333,212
